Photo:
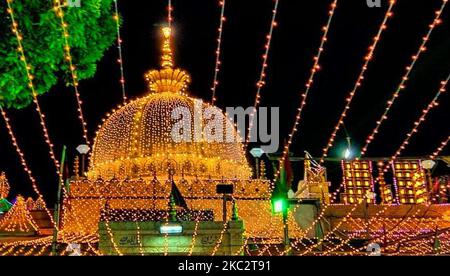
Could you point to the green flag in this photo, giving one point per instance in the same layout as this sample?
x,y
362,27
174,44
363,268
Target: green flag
x,y
5,205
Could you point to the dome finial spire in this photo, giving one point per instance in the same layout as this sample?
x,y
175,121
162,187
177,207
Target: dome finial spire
x,y
168,78
167,55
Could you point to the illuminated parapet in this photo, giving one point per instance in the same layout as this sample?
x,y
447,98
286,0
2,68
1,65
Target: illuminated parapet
x,y
410,179
358,181
87,198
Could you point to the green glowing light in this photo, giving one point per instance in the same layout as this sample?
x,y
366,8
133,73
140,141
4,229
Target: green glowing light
x,y
171,229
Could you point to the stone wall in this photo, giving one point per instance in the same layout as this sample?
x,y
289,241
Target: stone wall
x,y
148,239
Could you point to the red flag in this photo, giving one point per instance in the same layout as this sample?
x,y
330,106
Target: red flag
x,y
436,186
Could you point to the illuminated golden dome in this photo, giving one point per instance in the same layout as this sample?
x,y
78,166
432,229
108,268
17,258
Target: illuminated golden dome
x,y
142,139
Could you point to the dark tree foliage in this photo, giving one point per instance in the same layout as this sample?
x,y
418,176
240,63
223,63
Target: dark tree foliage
x,y
91,28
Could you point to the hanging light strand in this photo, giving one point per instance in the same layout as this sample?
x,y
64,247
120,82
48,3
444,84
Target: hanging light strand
x,y
433,104
304,96
441,147
68,57
119,51
23,162
261,82
30,77
368,58
218,51
436,21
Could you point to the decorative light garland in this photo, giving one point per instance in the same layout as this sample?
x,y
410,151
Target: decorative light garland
x,y
68,57
194,236
433,104
24,163
218,51
310,248
138,234
119,50
30,77
314,70
368,58
111,236
436,21
348,239
261,82
441,147
219,241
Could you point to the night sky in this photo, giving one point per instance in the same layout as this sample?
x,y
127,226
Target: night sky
x,y
295,42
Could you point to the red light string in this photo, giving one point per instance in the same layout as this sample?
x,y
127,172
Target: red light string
x,y
304,95
119,50
261,82
368,58
437,21
68,57
441,147
218,51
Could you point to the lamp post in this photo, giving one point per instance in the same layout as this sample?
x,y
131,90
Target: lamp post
x,y
428,165
257,153
280,205
83,150
348,151
56,214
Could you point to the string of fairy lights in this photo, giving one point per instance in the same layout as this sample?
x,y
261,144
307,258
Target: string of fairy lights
x,y
365,224
404,79
119,50
220,239
335,228
433,104
403,84
41,246
262,77
57,7
218,52
441,147
30,77
23,161
368,58
420,120
315,68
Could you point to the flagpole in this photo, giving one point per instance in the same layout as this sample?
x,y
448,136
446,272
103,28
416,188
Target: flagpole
x,y
57,203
